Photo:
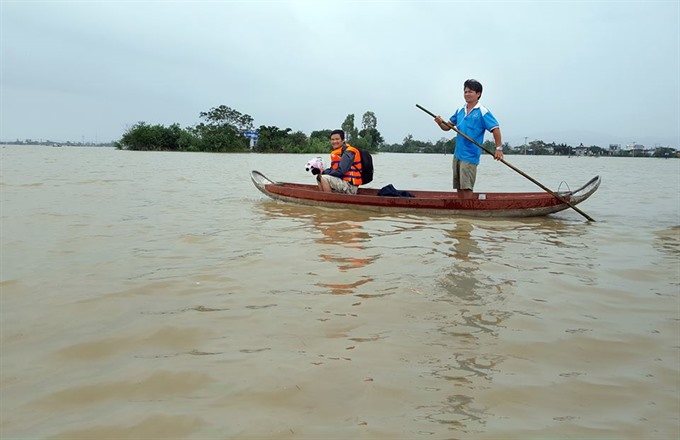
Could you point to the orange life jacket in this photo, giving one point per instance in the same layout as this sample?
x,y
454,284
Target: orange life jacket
x,y
352,176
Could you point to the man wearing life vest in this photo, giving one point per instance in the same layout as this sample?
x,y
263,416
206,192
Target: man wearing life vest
x,y
344,174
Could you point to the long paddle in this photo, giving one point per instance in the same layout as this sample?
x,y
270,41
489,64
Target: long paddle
x,y
554,194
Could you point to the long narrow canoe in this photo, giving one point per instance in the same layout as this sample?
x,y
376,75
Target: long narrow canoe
x,y
526,204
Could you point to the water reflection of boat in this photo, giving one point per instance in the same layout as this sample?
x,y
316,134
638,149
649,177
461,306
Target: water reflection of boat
x,y
527,204
342,238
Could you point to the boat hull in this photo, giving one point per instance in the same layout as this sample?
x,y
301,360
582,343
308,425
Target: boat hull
x,y
531,204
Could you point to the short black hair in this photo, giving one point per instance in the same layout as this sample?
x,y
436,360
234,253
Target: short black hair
x,y
474,85
340,132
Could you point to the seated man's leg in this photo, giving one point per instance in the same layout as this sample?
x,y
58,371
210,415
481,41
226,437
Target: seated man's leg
x,y
323,184
336,184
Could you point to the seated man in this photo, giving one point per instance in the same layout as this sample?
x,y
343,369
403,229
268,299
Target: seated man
x,y
344,175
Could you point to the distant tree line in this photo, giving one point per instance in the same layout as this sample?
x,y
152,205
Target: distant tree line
x,y
541,148
223,129
538,148
34,142
410,145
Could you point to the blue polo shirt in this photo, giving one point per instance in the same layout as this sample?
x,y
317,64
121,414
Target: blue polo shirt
x,y
474,125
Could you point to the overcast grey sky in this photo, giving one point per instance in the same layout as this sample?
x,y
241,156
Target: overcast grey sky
x,y
591,72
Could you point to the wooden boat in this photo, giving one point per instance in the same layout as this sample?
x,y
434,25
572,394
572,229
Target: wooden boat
x,y
527,204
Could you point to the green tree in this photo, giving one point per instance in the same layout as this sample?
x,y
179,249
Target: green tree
x,y
145,137
594,150
350,130
368,121
489,145
445,145
272,139
297,142
561,149
665,152
373,138
369,136
222,130
226,116
392,148
324,135
319,141
319,145
213,138
412,145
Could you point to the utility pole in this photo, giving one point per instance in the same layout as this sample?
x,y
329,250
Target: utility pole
x,y
525,144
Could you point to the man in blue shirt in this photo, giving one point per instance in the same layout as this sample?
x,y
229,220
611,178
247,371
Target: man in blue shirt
x,y
474,120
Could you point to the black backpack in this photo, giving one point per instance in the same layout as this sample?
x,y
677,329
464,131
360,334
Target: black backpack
x,y
366,166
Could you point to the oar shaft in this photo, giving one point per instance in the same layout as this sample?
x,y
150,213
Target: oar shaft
x,y
545,188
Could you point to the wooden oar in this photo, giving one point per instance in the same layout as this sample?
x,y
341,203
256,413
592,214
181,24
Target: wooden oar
x,y
545,188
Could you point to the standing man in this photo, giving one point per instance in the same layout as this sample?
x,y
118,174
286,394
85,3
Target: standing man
x,y
474,120
344,174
